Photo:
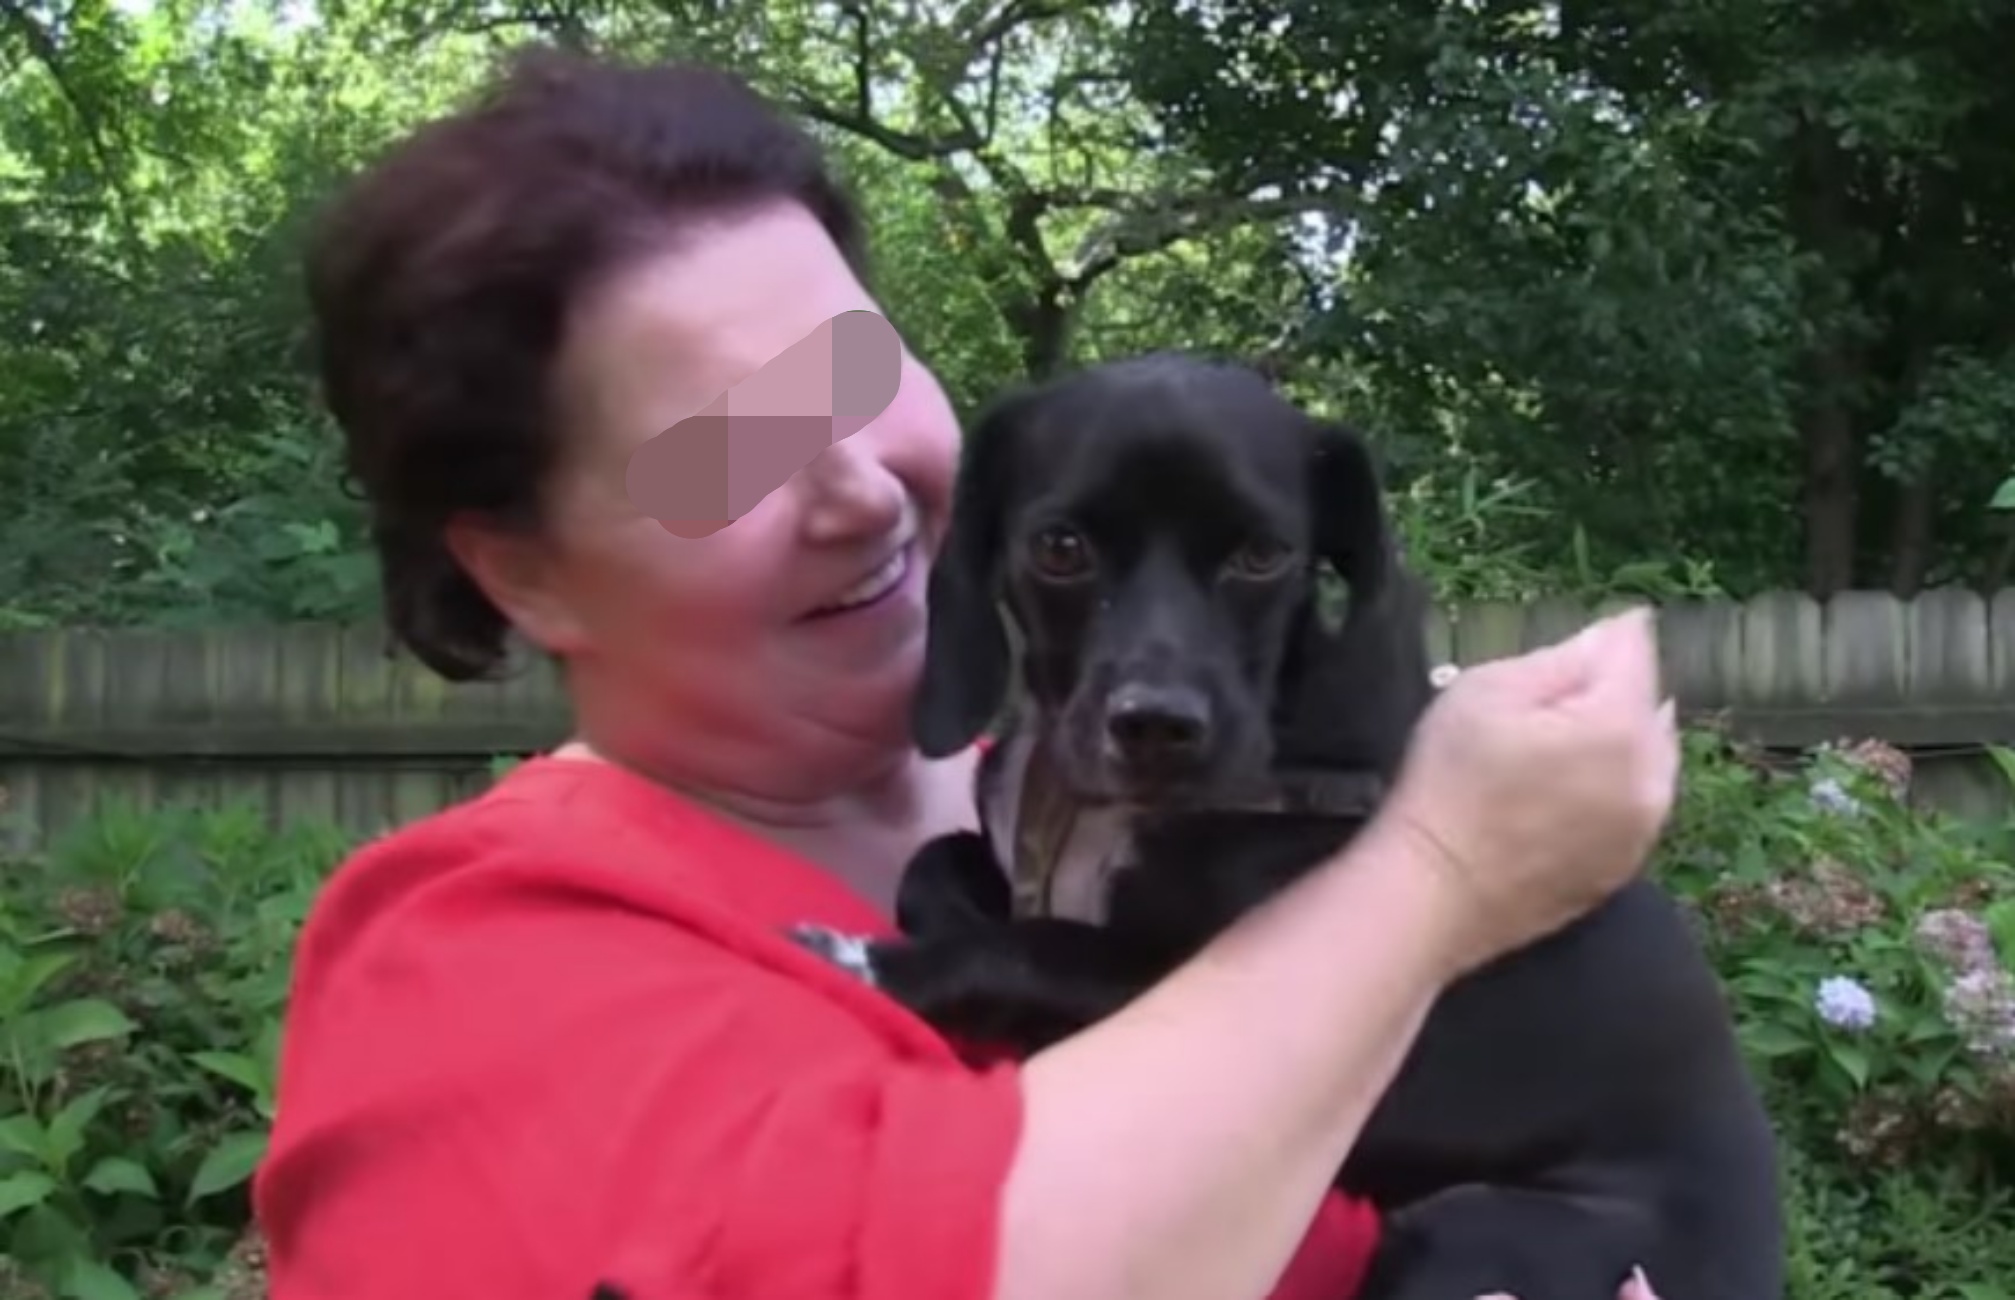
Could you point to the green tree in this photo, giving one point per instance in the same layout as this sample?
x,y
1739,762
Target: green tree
x,y
1724,280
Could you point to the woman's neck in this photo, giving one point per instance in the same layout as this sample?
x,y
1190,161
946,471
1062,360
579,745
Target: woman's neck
x,y
864,833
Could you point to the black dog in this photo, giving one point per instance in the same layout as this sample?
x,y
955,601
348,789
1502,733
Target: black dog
x,y
1155,530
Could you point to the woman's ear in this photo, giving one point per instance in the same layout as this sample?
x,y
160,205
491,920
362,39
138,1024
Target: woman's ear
x,y
966,656
511,568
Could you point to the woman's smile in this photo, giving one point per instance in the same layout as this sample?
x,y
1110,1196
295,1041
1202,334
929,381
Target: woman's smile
x,y
877,617
875,586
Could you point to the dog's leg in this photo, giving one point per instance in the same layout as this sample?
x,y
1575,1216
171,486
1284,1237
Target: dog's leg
x,y
1473,1240
953,886
1023,985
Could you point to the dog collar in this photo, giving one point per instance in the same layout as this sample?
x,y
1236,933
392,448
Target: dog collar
x,y
1046,815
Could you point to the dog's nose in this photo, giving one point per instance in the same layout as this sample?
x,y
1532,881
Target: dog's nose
x,y
1157,724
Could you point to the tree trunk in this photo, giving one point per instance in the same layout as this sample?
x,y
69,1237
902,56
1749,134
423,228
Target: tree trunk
x,y
1044,325
1831,501
1910,549
1826,421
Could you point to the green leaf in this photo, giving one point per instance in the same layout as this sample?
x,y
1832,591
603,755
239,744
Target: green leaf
x,y
90,1280
22,1134
66,1130
115,1174
2004,496
1852,1060
26,979
229,1163
1773,1040
2000,922
1928,1029
84,1020
236,1067
1928,1069
24,1191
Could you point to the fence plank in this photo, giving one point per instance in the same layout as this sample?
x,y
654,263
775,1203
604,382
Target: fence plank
x,y
1488,630
1783,650
1440,637
1868,646
2001,645
1950,658
1700,646
1552,620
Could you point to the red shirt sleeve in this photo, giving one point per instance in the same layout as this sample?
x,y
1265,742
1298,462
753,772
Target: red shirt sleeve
x,y
1336,1254
553,1039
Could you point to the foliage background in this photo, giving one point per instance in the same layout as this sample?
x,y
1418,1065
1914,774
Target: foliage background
x,y
1673,297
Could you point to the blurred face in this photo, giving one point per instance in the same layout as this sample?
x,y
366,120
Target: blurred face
x,y
778,654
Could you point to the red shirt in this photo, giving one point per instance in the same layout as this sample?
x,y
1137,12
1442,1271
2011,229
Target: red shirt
x,y
554,1037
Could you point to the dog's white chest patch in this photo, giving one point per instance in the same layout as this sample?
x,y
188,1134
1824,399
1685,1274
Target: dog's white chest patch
x,y
1098,849
1076,881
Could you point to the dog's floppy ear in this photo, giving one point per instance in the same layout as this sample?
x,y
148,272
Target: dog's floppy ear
x,y
1349,511
966,653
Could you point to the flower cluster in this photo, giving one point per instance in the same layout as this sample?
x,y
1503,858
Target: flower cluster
x,y
1845,1003
1887,766
1830,796
1980,1000
1881,1128
1958,939
1826,901
1884,762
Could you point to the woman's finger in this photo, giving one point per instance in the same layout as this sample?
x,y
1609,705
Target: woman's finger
x,y
1637,1287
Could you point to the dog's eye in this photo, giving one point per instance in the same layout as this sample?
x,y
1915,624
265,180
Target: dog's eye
x,y
1060,553
1260,558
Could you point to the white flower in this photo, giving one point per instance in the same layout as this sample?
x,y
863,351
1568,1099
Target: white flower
x,y
1981,1005
1844,1003
1442,674
1830,795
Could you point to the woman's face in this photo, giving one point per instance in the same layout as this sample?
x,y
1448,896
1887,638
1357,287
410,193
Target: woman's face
x,y
778,650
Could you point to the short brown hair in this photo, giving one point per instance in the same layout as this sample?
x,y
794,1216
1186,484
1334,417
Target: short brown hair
x,y
440,281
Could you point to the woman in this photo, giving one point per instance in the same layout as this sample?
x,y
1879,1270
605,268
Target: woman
x,y
554,1038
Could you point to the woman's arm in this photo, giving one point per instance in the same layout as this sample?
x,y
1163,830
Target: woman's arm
x,y
1180,1148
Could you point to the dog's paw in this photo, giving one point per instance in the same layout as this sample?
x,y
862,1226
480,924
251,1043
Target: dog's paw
x,y
852,953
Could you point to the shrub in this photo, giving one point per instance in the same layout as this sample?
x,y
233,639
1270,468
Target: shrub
x,y
143,972
144,966
1857,936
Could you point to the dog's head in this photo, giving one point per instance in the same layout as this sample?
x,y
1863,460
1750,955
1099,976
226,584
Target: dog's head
x,y
1154,527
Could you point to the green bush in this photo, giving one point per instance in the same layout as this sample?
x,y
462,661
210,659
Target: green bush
x,y
144,966
143,972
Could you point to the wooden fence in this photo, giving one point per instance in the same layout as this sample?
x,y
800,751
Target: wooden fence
x,y
315,721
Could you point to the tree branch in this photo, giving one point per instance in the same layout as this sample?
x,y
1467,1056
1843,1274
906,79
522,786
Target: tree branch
x,y
1140,227
93,126
860,119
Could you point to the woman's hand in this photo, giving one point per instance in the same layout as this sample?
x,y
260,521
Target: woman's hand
x,y
1541,782
1634,1288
